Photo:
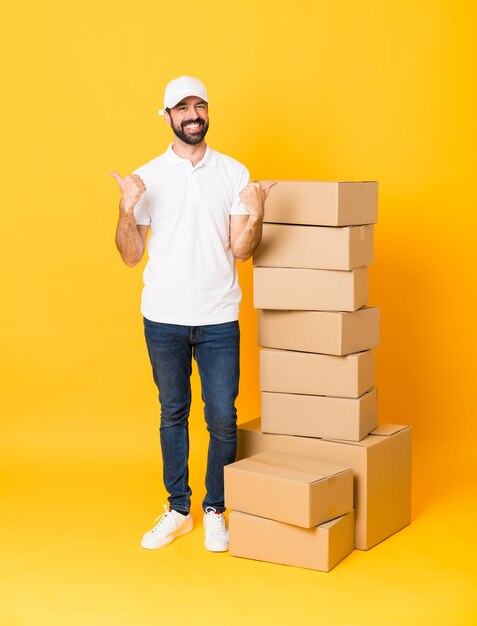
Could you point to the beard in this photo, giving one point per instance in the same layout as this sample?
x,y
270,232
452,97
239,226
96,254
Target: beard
x,y
193,138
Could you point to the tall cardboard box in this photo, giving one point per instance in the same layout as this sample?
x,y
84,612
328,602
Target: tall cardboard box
x,y
323,203
319,548
288,488
381,465
310,289
326,332
284,371
318,247
319,416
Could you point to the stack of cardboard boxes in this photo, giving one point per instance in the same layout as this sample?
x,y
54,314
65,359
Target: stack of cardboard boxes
x,y
317,380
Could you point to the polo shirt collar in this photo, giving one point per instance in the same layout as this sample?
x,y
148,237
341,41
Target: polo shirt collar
x,y
209,159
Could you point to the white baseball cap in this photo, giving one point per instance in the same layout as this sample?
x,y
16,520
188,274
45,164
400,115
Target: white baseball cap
x,y
180,88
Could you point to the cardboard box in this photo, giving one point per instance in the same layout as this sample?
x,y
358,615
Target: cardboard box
x,y
288,488
319,416
326,332
310,290
284,371
319,548
318,247
323,203
381,465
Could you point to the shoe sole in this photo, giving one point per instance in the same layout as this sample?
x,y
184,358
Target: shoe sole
x,y
216,549
189,525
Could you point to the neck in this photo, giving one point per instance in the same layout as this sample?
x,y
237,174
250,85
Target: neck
x,y
186,151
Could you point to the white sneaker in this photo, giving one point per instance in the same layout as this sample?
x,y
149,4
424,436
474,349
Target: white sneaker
x,y
171,524
216,533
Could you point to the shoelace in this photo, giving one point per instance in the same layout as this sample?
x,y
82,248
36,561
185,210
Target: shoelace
x,y
215,522
161,519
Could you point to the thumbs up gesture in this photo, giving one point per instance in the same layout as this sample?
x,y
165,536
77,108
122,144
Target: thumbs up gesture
x,y
253,196
132,187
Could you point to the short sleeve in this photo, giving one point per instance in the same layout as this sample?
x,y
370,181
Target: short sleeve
x,y
141,213
238,207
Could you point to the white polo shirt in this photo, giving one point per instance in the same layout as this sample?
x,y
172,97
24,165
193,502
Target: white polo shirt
x,y
190,277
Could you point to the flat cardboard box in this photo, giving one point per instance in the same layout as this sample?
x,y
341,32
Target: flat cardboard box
x,y
381,465
326,332
323,203
310,290
319,416
288,488
284,371
319,548
316,247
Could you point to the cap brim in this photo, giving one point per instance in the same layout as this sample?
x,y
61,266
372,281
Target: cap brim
x,y
185,95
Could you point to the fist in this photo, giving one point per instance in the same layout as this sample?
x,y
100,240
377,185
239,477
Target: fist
x,y
132,187
253,196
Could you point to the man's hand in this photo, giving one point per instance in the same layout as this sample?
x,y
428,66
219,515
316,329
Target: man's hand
x,y
132,187
246,230
253,196
130,238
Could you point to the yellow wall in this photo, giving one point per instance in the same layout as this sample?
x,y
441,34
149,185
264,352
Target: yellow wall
x,y
302,90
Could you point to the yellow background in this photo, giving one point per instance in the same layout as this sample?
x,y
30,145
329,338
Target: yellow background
x,y
300,90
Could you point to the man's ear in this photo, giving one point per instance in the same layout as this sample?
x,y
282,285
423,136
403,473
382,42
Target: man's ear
x,y
167,118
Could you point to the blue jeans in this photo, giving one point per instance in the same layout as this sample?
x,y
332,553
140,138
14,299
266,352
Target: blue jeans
x,y
216,351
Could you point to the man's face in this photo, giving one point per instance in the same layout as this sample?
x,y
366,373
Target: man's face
x,y
189,120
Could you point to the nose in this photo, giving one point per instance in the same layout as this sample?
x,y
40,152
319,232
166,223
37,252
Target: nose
x,y
197,112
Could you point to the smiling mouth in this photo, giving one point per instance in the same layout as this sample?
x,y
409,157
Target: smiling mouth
x,y
193,126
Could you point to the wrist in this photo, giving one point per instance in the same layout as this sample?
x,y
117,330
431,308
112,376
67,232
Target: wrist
x,y
255,220
126,210
126,215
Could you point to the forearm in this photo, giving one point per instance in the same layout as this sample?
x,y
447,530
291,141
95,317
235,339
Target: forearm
x,y
128,239
248,239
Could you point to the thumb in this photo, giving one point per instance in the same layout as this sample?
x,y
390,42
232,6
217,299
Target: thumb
x,y
118,178
266,188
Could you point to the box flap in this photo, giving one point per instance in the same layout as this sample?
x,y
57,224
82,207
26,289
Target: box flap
x,y
288,467
257,468
294,461
385,430
332,522
378,434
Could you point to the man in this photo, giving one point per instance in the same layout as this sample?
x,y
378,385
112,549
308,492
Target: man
x,y
203,214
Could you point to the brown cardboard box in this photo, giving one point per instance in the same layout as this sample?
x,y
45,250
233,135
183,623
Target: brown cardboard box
x,y
319,416
310,290
381,465
318,247
319,548
288,488
323,203
284,371
326,332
